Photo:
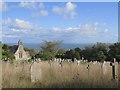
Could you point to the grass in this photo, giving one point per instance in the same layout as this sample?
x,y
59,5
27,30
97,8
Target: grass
x,y
71,75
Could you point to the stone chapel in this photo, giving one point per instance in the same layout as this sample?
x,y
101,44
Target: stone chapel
x,y
19,52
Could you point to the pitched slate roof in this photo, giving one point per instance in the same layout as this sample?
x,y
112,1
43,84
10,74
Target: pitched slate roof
x,y
14,48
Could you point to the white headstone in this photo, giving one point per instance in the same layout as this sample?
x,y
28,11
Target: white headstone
x,y
78,62
104,68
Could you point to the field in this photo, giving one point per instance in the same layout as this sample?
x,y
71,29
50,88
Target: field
x,y
53,75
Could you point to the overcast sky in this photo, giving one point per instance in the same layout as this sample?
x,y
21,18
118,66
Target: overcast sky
x,y
71,22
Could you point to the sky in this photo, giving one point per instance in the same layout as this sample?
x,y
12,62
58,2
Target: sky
x,y
71,22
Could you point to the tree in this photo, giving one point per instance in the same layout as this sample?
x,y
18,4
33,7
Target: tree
x,y
50,46
117,57
73,53
87,53
92,52
60,53
44,55
114,51
32,52
6,52
100,56
70,54
99,48
49,49
77,53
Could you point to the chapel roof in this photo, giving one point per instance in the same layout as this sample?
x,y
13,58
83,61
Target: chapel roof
x,y
14,48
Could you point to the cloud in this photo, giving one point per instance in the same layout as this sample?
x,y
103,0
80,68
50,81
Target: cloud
x,y
24,4
10,36
55,29
22,28
3,6
18,28
41,5
68,11
40,13
69,29
83,28
23,24
19,25
31,5
43,13
58,10
70,6
28,4
88,30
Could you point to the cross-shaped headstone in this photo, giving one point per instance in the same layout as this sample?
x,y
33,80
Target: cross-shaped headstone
x,y
113,67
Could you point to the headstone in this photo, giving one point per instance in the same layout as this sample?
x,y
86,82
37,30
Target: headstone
x,y
36,72
88,68
55,59
82,58
113,68
61,64
39,59
105,67
78,62
60,59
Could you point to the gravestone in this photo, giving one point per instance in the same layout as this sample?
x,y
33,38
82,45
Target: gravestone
x,y
113,68
105,67
78,62
119,75
36,72
88,68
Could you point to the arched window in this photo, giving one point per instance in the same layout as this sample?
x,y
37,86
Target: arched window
x,y
20,55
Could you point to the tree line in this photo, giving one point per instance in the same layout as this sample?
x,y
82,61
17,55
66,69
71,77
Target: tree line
x,y
98,52
50,50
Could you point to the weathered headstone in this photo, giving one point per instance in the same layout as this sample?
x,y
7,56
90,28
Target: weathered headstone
x,y
78,62
105,68
82,58
61,64
88,71
88,68
36,72
113,68
60,59
55,59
